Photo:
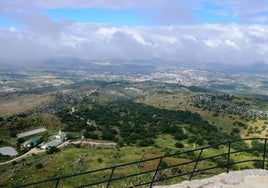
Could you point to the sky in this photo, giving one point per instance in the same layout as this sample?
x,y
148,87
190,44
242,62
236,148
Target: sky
x,y
183,31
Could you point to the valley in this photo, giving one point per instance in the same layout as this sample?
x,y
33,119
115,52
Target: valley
x,y
145,111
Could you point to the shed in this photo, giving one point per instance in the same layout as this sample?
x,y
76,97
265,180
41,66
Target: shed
x,y
33,142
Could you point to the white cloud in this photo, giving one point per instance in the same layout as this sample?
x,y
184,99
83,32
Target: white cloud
x,y
18,5
212,43
231,43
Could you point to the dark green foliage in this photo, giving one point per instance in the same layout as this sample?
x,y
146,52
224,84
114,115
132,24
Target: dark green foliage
x,y
178,136
240,124
136,123
13,134
179,145
20,140
4,157
52,150
100,160
197,89
39,166
163,164
91,135
107,135
257,147
240,145
258,164
235,130
146,142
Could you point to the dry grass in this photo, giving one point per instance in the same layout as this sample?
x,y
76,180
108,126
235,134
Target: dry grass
x,y
17,104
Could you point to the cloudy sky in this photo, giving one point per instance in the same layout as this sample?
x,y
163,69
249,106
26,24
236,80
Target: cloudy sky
x,y
183,31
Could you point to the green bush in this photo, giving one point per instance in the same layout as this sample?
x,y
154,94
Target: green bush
x,y
39,166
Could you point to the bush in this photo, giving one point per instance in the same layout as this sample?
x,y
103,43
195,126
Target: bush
x,y
52,150
163,164
179,145
39,166
146,142
257,164
100,160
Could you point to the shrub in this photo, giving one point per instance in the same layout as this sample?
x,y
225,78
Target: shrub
x,y
52,150
179,145
39,166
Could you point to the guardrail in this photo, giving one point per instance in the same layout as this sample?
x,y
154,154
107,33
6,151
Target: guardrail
x,y
169,167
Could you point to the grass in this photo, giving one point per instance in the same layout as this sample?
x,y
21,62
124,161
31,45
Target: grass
x,y
72,159
68,161
17,104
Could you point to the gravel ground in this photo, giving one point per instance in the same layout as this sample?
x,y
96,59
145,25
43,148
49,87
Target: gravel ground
x,y
235,179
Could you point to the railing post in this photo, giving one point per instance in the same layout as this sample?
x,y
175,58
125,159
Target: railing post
x,y
264,153
110,178
57,183
196,162
228,157
155,173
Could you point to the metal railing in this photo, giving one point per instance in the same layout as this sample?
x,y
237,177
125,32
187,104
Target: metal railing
x,y
179,166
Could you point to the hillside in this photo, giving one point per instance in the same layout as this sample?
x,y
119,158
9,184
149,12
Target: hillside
x,y
145,119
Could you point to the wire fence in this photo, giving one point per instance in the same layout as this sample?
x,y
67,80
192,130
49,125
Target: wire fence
x,y
173,168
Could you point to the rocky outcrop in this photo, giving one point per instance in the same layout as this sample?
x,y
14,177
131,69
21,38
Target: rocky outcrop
x,y
223,103
238,179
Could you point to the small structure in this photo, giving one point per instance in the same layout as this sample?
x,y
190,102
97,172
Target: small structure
x,y
53,143
33,142
60,138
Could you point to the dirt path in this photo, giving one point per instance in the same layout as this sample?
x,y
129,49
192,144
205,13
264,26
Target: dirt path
x,y
93,143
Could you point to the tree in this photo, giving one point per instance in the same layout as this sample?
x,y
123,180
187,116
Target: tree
x,y
163,164
146,142
179,145
179,136
39,166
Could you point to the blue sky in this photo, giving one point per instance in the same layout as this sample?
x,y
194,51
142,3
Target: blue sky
x,y
96,15
195,31
139,12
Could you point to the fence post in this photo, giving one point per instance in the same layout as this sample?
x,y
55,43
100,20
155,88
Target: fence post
x,y
196,162
57,183
155,173
228,159
110,178
264,153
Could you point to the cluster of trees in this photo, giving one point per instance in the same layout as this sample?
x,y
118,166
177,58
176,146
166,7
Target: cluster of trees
x,y
128,122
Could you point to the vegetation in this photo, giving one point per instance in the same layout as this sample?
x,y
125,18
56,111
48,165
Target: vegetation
x,y
135,123
146,120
